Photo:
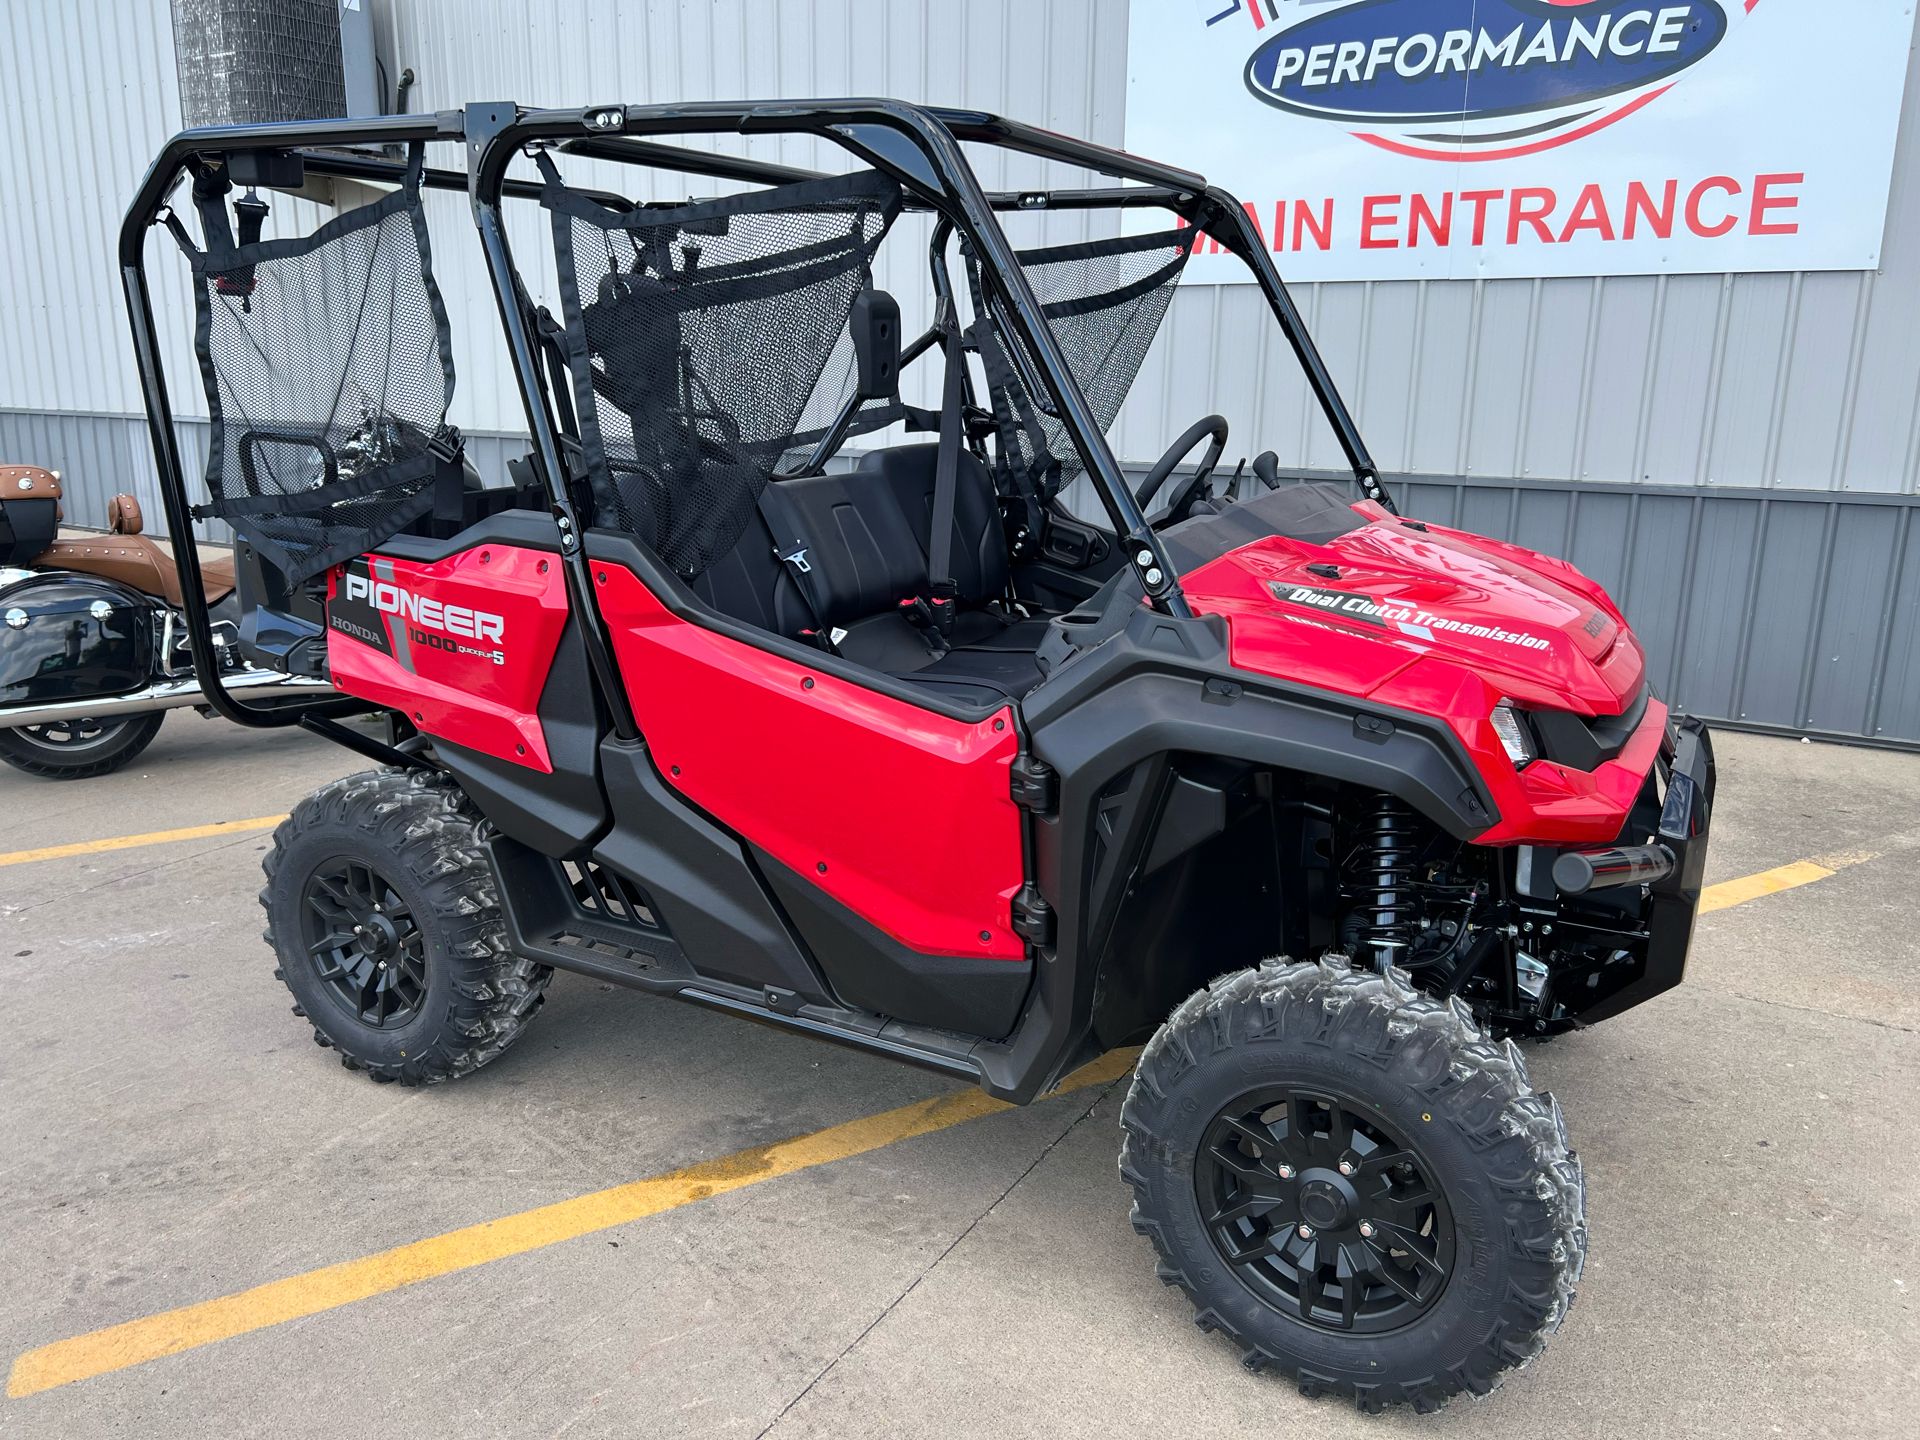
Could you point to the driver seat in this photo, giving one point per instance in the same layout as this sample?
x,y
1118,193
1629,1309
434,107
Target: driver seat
x,y
132,558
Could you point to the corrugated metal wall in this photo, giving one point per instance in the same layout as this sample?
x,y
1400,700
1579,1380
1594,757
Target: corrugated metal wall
x,y
1737,456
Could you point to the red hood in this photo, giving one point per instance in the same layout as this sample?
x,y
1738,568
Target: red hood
x,y
1389,597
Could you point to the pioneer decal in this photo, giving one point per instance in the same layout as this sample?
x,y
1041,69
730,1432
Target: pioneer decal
x,y
424,610
1477,139
363,601
1409,620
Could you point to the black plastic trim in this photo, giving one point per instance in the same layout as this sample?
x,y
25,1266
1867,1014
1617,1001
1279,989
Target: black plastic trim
x,y
1160,687
1581,743
1147,691
1674,901
524,529
705,888
559,813
871,970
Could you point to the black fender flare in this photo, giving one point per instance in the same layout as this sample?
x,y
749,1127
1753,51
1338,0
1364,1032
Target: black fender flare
x,y
1165,686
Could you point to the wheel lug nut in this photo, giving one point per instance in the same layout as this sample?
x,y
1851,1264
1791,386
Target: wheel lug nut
x,y
1366,1229
1346,1167
1306,1232
1285,1172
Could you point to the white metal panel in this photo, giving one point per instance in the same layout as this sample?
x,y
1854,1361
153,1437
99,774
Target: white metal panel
x,y
1790,381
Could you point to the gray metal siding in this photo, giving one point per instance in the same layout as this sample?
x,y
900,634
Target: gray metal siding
x,y
1699,443
1771,609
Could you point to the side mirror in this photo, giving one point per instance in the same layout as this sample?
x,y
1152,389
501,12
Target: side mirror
x,y
875,326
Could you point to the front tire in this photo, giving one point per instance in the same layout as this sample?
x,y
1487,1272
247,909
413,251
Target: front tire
x,y
79,749
383,914
1353,1185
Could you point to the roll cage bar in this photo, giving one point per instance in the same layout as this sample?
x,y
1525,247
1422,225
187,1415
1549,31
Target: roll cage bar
x,y
917,146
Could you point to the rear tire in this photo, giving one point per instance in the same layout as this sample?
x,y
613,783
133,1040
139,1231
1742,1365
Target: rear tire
x,y
1443,1213
79,749
384,916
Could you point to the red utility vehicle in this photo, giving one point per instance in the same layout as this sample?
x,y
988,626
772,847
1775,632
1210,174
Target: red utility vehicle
x,y
888,742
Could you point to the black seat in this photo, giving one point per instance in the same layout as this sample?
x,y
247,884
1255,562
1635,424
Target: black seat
x,y
862,536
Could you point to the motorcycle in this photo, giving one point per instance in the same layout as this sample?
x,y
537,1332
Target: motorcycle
x,y
93,634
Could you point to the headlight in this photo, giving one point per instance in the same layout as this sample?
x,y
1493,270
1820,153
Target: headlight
x,y
1516,737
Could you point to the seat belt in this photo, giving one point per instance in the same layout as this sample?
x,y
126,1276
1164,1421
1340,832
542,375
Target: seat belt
x,y
790,549
942,590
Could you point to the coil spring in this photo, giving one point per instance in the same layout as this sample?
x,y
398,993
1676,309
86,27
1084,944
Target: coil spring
x,y
1389,908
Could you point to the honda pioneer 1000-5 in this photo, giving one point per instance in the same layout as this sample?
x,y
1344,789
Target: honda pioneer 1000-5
x,y
818,662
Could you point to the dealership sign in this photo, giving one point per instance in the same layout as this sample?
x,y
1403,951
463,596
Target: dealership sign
x,y
1386,139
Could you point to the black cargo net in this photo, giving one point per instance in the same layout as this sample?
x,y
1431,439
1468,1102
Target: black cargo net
x,y
328,372
832,397
1104,301
696,334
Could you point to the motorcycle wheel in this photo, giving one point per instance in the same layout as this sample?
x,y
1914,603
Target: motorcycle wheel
x,y
79,749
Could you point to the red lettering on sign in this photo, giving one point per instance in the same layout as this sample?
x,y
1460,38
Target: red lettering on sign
x,y
1699,193
1480,199
1531,205
1374,216
1640,203
1304,221
1765,202
1589,213
1440,227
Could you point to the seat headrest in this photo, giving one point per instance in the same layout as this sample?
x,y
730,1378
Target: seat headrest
x,y
875,328
123,515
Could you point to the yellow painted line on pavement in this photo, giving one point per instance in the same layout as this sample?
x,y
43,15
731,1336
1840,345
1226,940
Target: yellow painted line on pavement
x,y
1771,882
278,1301
118,1347
133,842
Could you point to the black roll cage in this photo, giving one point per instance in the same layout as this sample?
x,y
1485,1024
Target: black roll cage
x,y
918,146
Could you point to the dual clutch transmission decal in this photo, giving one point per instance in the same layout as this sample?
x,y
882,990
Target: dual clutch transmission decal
x,y
1409,620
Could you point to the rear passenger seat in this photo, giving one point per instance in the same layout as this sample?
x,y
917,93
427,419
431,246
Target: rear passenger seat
x,y
865,535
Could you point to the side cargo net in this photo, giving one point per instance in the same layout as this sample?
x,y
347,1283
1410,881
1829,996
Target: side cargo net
x,y
328,372
1104,301
695,335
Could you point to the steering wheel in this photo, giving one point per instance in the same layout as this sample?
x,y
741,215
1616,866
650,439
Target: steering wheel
x,y
1189,489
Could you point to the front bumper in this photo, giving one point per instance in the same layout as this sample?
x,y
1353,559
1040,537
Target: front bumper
x,y
1673,901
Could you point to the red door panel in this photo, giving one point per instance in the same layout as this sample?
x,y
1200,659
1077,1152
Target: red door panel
x,y
900,814
462,646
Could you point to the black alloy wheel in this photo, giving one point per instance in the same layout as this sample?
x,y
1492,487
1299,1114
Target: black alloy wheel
x,y
383,914
1323,1212
1352,1184
364,943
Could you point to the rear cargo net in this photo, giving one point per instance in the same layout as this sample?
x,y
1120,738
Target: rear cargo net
x,y
695,335
328,371
1104,301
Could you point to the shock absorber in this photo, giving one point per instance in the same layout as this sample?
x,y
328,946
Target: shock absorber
x,y
1388,910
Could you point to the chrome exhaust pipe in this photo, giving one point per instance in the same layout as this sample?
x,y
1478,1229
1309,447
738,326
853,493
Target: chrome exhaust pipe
x,y
166,695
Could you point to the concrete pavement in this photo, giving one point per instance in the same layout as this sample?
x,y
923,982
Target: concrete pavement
x,y
170,1134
